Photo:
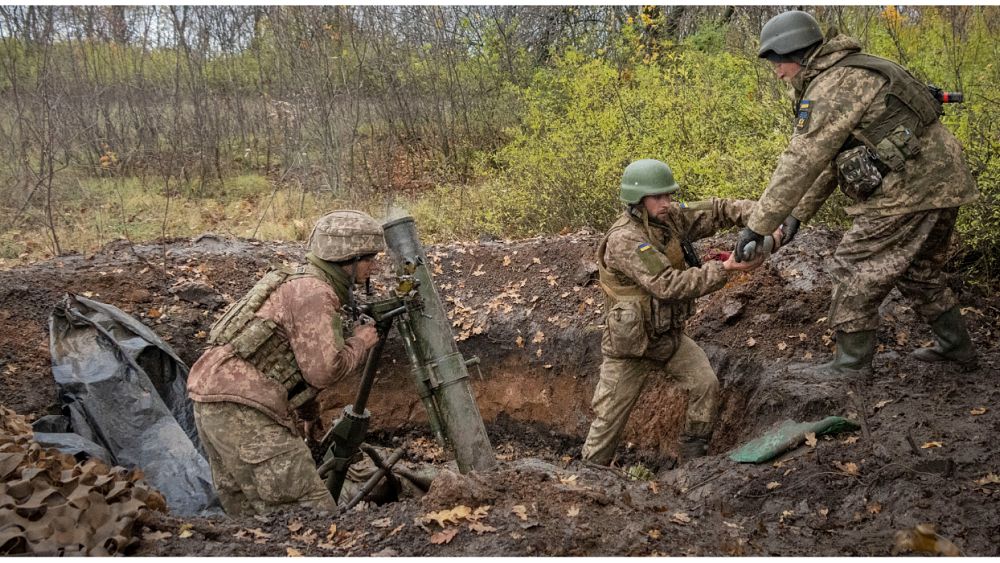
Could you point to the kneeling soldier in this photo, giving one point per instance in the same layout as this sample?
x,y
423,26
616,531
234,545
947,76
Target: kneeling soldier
x,y
272,351
651,276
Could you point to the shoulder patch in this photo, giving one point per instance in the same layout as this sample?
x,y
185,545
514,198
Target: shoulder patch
x,y
651,260
802,115
702,205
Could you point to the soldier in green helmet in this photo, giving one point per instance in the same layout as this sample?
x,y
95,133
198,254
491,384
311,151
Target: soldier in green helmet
x,y
272,351
866,124
651,276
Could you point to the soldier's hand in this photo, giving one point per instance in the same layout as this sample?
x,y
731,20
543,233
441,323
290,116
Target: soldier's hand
x,y
745,238
733,266
367,334
788,229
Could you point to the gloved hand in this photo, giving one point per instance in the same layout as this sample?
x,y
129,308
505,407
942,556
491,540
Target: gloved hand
x,y
747,236
788,229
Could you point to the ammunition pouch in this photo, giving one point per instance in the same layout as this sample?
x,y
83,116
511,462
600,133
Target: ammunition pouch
x,y
858,173
626,335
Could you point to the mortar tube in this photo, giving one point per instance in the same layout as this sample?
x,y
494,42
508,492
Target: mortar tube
x,y
420,377
449,376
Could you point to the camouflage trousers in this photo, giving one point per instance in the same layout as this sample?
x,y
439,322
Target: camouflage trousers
x,y
906,251
257,464
622,381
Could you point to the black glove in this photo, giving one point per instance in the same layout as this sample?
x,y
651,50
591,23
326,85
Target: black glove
x,y
747,236
788,229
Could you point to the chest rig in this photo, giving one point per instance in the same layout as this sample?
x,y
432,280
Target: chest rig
x,y
660,316
259,342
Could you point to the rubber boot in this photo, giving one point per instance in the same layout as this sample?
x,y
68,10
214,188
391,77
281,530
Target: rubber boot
x,y
853,356
691,447
953,342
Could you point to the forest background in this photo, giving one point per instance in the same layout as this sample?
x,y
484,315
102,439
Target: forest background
x,y
142,122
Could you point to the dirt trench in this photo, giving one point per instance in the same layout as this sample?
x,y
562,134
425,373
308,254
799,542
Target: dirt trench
x,y
531,312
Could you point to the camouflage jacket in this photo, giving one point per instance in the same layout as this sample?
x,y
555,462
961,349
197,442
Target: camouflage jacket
x,y
307,310
841,101
649,286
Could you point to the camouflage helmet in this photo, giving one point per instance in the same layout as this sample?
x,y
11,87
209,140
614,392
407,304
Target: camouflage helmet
x,y
343,235
646,177
788,32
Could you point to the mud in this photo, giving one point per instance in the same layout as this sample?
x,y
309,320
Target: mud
x,y
530,310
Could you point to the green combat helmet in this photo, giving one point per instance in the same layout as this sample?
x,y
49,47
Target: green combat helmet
x,y
347,234
788,32
646,177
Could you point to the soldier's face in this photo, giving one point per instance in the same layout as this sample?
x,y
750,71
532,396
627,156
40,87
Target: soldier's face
x,y
786,71
364,269
657,205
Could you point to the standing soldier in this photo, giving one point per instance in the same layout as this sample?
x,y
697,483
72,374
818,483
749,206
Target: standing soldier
x,y
651,276
867,124
272,351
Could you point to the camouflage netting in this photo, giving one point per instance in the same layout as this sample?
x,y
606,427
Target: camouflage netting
x,y
52,505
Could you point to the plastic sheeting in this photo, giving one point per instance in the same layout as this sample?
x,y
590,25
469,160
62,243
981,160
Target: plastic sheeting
x,y
789,436
123,388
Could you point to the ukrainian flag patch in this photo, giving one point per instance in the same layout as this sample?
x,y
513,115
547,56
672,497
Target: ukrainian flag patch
x,y
645,246
802,116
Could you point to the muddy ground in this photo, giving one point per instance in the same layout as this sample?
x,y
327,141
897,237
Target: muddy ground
x,y
530,310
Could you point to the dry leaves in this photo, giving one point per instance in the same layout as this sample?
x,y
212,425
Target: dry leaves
x,y
294,526
539,337
751,342
928,445
568,480
773,485
849,468
653,534
478,271
850,440
782,346
989,479
874,507
924,539
292,552
460,512
520,511
882,403
185,531
680,518
519,342
444,536
480,528
506,260
978,411
156,536
811,439
573,511
382,522
307,537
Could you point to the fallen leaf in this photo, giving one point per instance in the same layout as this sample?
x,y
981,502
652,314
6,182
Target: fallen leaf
x,y
292,552
882,403
751,342
479,271
573,511
773,485
536,261
443,517
978,411
306,537
821,320
154,313
811,439
444,536
924,539
680,518
568,480
850,439
396,530
520,511
479,513
480,528
295,526
927,445
538,353
519,342
156,536
382,522
506,260
539,337
654,487
654,534
807,356
989,479
333,532
849,468
802,337
874,507
823,511
782,346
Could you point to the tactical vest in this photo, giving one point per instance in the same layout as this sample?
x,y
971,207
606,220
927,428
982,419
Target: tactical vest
x,y
658,317
909,110
258,342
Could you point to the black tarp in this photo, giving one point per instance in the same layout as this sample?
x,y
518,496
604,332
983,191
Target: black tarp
x,y
123,388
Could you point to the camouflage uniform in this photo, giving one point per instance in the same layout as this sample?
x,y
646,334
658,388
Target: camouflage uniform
x,y
651,291
901,231
244,416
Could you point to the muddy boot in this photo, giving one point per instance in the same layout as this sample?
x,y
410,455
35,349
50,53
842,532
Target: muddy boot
x,y
953,342
691,447
853,357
